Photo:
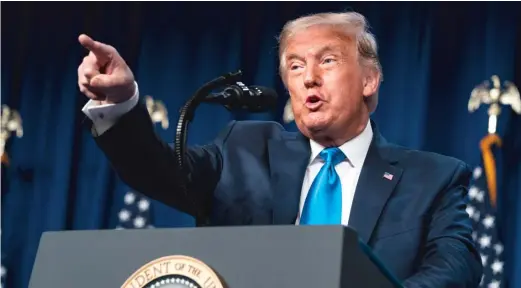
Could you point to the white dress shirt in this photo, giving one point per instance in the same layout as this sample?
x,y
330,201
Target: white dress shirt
x,y
348,170
104,116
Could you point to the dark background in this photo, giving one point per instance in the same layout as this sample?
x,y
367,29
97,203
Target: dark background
x,y
433,55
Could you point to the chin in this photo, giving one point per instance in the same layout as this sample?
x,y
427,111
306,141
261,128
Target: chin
x,y
316,125
318,120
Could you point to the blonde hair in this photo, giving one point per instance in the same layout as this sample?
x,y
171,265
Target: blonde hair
x,y
351,23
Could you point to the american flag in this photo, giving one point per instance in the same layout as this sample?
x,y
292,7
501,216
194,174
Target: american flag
x,y
135,212
483,213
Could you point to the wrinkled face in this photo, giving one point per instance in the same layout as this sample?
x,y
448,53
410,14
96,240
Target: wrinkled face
x,y
326,82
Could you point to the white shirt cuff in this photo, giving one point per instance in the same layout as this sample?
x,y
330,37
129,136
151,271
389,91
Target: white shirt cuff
x,y
104,116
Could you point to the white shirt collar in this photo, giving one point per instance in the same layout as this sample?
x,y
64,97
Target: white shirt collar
x,y
354,149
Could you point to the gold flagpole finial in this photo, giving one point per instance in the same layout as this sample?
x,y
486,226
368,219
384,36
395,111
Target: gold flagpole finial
x,y
11,123
157,111
495,95
288,116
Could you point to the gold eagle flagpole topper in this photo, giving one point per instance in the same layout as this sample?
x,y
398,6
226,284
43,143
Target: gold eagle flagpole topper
x,y
11,122
493,95
157,111
287,115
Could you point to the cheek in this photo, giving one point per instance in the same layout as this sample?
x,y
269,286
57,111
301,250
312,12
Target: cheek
x,y
297,95
346,94
296,108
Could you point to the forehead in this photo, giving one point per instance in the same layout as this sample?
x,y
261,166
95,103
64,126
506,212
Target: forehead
x,y
314,39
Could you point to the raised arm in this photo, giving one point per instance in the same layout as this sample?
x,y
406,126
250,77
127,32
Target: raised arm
x,y
122,128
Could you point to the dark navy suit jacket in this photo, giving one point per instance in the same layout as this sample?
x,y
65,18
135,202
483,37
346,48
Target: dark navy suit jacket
x,y
252,175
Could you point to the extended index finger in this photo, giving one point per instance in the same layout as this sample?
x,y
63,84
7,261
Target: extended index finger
x,y
99,49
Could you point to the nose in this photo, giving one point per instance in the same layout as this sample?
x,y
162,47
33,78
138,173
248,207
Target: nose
x,y
312,77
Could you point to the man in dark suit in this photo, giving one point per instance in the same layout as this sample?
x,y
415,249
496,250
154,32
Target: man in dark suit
x,y
408,205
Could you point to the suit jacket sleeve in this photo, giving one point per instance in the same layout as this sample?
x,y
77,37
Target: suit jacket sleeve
x,y
450,258
147,164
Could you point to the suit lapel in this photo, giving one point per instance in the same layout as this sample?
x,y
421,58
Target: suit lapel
x,y
375,185
288,159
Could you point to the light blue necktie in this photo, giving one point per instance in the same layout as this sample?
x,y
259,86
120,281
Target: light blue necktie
x,y
323,204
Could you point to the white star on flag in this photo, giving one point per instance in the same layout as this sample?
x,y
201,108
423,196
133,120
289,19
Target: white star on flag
x,y
473,191
494,284
484,241
488,222
497,267
143,204
124,215
129,198
480,196
477,172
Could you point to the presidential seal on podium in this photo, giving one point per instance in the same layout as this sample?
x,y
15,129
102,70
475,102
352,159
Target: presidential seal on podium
x,y
177,271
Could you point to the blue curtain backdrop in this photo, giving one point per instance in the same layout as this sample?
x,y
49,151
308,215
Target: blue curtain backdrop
x,y
433,55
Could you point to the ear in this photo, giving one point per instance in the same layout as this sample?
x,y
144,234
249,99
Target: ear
x,y
371,82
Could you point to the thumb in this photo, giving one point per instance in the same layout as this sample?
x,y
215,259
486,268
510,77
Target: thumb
x,y
103,81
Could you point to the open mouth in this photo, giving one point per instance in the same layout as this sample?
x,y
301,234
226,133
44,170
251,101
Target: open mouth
x,y
313,102
313,99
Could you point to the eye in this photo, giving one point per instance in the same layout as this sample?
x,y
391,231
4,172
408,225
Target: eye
x,y
329,60
295,66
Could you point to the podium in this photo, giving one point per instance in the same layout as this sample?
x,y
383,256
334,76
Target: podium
x,y
206,257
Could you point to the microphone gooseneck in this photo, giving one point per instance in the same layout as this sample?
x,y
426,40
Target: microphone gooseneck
x,y
186,115
236,95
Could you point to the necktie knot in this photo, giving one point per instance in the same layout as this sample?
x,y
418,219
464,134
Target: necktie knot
x,y
332,155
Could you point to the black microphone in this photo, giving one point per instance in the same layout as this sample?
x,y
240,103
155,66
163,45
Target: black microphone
x,y
240,96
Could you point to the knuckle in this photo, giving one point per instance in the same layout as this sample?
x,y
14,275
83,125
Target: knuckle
x,y
113,52
89,59
83,81
87,70
86,60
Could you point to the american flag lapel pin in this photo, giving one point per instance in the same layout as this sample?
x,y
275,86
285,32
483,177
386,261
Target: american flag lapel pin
x,y
388,176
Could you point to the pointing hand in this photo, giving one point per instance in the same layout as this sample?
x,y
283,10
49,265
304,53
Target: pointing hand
x,y
103,75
